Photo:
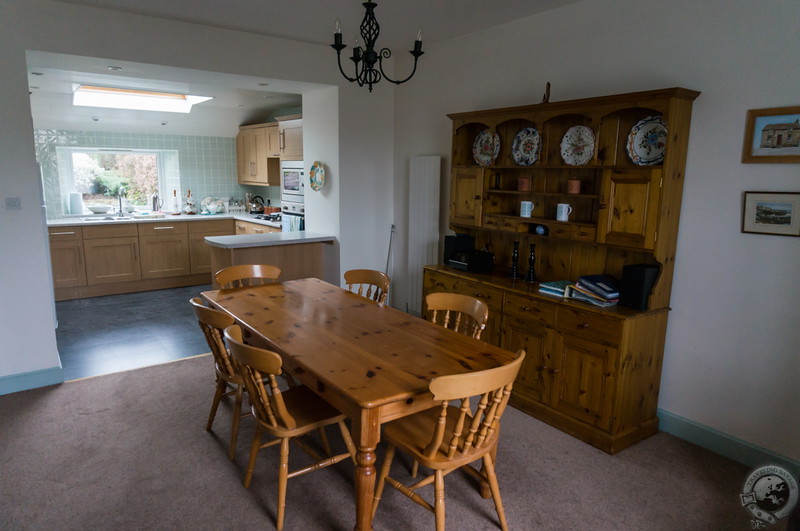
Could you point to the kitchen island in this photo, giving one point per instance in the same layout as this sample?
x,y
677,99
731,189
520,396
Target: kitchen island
x,y
299,254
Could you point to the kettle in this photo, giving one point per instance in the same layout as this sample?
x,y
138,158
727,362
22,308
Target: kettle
x,y
256,204
155,203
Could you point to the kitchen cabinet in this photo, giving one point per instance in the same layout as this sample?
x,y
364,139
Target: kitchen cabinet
x,y
592,372
111,253
466,197
164,249
245,227
199,250
291,137
66,256
273,141
255,165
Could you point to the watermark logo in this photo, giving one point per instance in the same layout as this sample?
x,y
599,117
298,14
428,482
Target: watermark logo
x,y
770,493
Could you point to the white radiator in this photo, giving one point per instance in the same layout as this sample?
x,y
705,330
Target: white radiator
x,y
423,223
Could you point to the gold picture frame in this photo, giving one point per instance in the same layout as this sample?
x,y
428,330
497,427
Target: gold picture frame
x,y
776,213
772,135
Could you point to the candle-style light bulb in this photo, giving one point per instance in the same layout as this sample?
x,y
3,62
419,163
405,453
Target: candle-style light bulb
x,y
337,36
337,26
419,35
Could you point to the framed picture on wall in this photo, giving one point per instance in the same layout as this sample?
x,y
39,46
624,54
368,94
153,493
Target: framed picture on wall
x,y
772,135
772,213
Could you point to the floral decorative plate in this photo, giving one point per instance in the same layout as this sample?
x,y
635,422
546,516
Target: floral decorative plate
x,y
486,147
317,176
647,141
577,146
526,147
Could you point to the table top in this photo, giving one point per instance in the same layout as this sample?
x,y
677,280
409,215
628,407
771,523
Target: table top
x,y
371,354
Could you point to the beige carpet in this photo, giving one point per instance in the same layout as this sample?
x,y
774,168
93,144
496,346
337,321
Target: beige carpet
x,y
129,451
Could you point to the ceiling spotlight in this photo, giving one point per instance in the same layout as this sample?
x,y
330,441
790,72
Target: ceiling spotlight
x,y
95,118
263,84
115,68
163,123
37,73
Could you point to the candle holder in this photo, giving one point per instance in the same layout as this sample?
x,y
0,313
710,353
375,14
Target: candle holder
x,y
530,276
514,259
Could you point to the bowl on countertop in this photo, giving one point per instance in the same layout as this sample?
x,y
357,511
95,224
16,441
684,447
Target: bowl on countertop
x,y
99,209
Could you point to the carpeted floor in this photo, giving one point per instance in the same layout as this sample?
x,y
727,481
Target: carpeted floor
x,y
129,451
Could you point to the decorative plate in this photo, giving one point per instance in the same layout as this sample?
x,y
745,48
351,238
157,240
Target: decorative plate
x,y
577,146
526,147
647,140
486,147
317,176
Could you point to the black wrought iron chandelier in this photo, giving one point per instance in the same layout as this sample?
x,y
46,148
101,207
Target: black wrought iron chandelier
x,y
367,58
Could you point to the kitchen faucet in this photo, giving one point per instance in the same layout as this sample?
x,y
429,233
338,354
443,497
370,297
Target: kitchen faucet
x,y
120,193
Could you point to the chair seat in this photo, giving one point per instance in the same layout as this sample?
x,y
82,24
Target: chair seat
x,y
308,410
412,433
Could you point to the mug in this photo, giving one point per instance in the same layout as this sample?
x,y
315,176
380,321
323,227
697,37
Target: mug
x,y
524,184
563,211
525,209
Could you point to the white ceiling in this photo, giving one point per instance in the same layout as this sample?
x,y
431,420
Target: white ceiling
x,y
242,99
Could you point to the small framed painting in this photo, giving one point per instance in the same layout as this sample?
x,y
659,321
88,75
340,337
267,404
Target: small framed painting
x,y
772,135
772,213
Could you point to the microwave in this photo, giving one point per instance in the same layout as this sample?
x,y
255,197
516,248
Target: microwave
x,y
293,181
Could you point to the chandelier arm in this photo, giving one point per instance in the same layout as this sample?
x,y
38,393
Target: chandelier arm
x,y
386,77
339,60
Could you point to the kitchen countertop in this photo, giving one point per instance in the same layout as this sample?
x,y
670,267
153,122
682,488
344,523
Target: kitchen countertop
x,y
78,220
266,240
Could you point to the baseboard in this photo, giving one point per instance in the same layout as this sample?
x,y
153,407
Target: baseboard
x,y
31,380
723,444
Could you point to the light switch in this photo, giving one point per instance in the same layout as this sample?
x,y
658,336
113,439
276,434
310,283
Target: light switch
x,y
13,203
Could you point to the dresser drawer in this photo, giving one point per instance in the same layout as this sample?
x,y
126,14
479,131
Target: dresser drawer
x,y
529,309
589,325
493,297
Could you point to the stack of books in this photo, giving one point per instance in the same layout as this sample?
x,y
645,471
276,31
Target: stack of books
x,y
600,290
554,287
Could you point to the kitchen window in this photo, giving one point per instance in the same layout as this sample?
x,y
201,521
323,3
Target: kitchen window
x,y
98,174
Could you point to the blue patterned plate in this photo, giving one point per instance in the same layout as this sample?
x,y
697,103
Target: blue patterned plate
x,y
577,146
647,141
526,147
317,176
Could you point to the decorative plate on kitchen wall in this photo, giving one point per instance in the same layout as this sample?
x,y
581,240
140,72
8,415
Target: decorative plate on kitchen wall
x,y
577,146
526,147
486,147
647,141
317,176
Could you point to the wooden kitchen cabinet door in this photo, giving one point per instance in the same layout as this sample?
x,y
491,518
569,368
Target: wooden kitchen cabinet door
x,y
66,257
110,260
630,214
466,192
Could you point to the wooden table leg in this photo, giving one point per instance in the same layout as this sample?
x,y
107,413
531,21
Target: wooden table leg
x,y
366,434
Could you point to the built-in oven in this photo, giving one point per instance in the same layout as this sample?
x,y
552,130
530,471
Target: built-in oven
x,y
293,177
293,216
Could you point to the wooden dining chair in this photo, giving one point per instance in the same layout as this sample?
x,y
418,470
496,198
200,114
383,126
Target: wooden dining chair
x,y
448,437
368,283
283,415
461,313
246,275
213,323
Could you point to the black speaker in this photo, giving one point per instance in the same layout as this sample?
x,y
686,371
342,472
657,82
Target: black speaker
x,y
456,243
636,284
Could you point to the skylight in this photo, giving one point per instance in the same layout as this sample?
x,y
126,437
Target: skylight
x,y
141,100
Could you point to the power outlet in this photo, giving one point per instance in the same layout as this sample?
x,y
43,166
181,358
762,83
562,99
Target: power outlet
x,y
13,203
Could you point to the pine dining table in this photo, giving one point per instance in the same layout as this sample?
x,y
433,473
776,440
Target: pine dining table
x,y
372,362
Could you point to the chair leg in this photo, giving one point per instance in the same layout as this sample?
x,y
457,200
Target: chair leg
x,y
283,478
439,499
221,385
491,475
251,464
387,464
237,414
323,438
415,469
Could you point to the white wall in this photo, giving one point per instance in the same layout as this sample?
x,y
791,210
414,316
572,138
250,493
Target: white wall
x,y
731,360
364,137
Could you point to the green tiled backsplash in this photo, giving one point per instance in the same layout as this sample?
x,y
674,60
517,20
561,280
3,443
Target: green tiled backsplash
x,y
207,163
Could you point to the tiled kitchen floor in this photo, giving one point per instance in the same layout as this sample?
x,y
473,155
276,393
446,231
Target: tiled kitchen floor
x,y
119,332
